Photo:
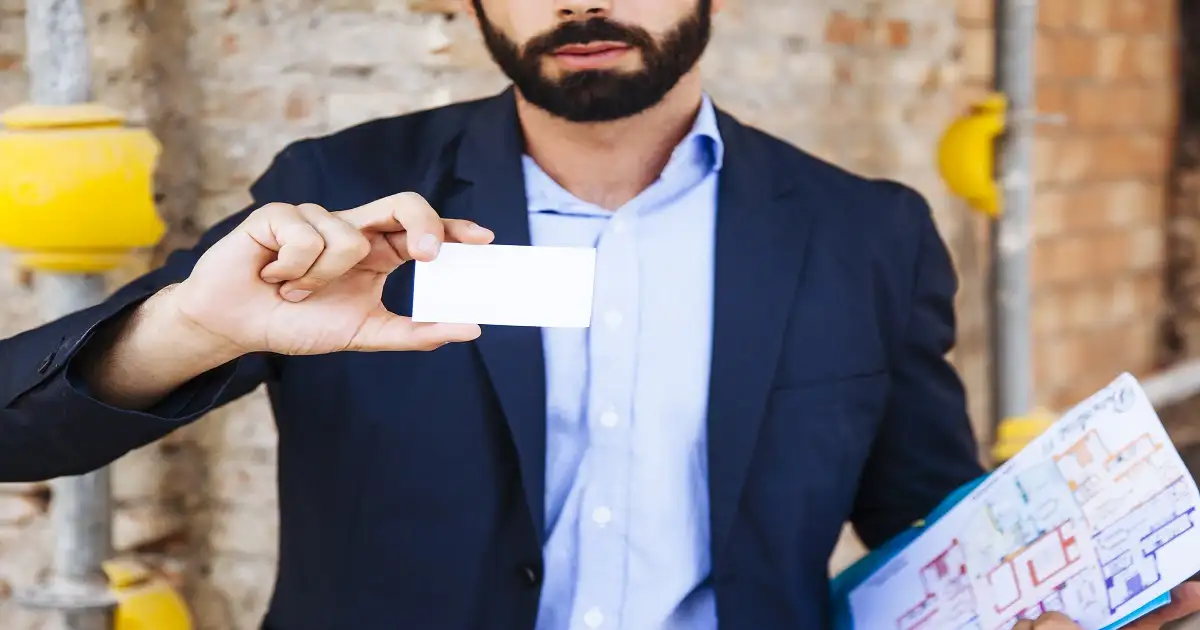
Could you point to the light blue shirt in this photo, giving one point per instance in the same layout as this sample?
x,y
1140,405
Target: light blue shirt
x,y
626,465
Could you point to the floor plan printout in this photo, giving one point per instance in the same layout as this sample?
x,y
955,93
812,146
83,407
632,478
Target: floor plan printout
x,y
1095,518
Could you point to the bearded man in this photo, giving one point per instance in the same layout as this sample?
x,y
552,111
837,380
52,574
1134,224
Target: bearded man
x,y
766,360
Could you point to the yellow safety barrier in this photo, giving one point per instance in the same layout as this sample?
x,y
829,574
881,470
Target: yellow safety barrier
x,y
76,188
1013,434
966,155
145,601
76,197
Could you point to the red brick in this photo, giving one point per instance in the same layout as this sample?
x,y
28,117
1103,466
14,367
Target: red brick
x,y
1052,98
1090,15
435,6
1071,158
1160,16
1075,56
1045,166
899,33
844,30
1154,58
1057,360
1129,15
978,54
1054,14
1047,51
1159,106
1085,256
1116,57
975,12
1106,106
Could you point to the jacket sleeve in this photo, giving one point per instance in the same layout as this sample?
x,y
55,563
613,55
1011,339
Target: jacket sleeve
x,y
925,448
50,426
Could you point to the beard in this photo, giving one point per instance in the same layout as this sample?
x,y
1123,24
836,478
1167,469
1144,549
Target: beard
x,y
600,95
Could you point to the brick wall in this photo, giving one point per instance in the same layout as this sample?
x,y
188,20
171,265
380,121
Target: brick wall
x,y
1110,67
226,83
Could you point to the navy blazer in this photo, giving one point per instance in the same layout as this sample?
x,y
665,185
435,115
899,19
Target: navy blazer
x,y
411,484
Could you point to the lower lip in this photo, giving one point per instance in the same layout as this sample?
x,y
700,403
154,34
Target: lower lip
x,y
591,60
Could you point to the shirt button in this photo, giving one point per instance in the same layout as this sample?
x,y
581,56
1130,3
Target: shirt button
x,y
593,618
613,318
618,225
602,515
609,419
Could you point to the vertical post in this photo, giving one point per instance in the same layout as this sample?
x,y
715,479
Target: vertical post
x,y
60,74
81,509
1012,240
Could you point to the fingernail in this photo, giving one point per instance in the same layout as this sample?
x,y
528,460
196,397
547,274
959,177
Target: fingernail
x,y
296,296
428,244
480,230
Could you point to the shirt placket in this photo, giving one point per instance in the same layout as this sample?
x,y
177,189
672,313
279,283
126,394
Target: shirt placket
x,y
612,354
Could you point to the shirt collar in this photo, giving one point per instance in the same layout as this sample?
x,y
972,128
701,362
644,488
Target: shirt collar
x,y
702,147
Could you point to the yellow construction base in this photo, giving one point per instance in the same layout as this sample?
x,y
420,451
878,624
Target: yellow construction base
x,y
144,601
76,187
1014,434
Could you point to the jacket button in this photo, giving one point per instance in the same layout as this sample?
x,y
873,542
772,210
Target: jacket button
x,y
530,574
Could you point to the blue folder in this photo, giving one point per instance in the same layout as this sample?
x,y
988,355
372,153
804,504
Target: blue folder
x,y
855,574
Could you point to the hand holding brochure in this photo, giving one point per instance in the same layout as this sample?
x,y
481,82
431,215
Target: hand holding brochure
x,y
1096,518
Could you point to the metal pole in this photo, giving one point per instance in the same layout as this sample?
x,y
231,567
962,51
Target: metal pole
x,y
81,508
1012,237
59,68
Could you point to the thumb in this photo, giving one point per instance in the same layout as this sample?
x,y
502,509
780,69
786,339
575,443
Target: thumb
x,y
384,331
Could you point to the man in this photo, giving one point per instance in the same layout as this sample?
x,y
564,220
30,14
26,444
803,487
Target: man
x,y
766,360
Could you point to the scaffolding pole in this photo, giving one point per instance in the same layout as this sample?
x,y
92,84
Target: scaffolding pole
x,y
1013,387
81,508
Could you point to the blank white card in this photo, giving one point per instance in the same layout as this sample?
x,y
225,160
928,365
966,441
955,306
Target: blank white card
x,y
506,285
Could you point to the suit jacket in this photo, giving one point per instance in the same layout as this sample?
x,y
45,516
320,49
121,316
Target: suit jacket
x,y
411,484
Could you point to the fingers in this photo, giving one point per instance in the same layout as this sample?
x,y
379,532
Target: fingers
x,y
405,212
1055,621
344,248
384,331
280,228
313,247
1048,621
456,231
1185,600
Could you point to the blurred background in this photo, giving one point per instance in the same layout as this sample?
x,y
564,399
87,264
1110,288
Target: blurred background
x,y
871,85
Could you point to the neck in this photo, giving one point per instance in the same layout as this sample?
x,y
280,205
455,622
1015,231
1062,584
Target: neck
x,y
634,151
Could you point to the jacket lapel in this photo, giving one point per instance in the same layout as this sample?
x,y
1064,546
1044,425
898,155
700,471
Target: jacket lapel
x,y
486,184
761,237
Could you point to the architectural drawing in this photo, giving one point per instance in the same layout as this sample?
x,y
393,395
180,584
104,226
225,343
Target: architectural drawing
x,y
1094,519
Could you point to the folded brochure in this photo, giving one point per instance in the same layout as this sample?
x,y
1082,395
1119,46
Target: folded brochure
x,y
1096,518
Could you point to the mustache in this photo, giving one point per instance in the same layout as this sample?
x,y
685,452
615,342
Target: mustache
x,y
586,32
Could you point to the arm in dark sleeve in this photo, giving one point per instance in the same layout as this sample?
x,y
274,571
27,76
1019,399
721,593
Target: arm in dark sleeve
x,y
925,447
50,426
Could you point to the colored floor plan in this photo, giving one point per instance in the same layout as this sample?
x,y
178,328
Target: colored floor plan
x,y
1093,519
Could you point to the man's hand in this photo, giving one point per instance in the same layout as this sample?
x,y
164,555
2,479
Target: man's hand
x,y
300,280
1185,600
293,280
